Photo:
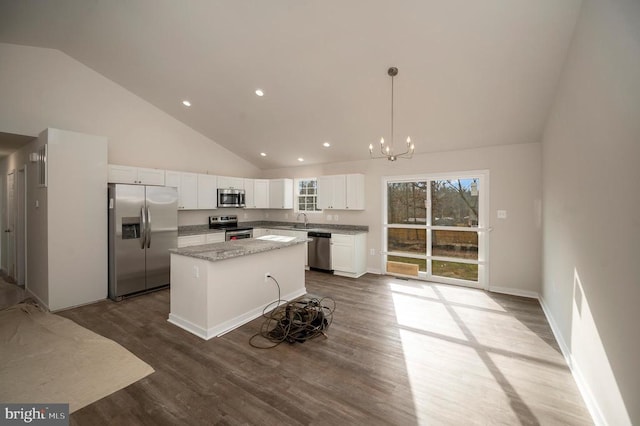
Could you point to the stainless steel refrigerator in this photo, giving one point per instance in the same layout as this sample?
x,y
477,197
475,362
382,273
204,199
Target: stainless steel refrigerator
x,y
143,226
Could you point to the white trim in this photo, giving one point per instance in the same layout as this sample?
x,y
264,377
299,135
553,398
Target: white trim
x,y
514,292
589,400
230,324
376,271
40,302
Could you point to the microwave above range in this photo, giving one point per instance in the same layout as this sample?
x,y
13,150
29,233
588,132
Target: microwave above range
x,y
231,198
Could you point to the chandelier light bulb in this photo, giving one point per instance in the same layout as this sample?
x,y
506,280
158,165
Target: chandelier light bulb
x,y
388,151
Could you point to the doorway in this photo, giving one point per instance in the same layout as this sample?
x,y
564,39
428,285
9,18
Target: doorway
x,y
434,227
10,229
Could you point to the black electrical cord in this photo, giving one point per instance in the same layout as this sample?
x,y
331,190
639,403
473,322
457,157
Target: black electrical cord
x,y
294,322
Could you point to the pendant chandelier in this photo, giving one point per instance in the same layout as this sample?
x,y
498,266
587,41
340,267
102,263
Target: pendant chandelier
x,y
387,150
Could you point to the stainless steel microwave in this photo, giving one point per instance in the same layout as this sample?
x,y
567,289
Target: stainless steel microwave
x,y
231,198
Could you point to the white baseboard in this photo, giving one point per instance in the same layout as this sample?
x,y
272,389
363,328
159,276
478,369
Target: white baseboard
x,y
374,271
583,387
40,302
514,292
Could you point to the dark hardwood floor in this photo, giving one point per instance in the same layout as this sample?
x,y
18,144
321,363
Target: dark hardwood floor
x,y
398,352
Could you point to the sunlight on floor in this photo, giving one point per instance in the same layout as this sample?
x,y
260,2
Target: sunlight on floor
x,y
468,356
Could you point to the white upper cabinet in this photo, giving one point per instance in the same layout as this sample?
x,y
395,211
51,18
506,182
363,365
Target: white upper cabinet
x,y
207,192
261,193
341,192
135,175
256,192
355,192
249,199
225,182
187,184
332,192
281,193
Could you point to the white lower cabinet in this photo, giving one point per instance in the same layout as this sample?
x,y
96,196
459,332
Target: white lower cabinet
x,y
197,240
217,237
191,240
349,255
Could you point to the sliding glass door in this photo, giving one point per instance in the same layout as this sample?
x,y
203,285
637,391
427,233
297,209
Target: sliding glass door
x,y
434,228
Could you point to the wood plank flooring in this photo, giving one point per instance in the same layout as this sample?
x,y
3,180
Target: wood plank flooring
x,y
398,352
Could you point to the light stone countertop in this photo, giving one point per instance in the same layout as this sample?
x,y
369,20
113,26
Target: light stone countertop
x,y
289,226
230,249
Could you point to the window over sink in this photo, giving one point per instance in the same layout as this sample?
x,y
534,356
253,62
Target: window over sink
x,y
306,195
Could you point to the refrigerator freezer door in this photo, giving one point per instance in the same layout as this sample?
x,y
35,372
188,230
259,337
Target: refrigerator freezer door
x,y
126,236
162,219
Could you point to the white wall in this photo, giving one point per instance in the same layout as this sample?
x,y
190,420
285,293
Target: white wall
x,y
67,220
77,218
591,153
515,243
45,88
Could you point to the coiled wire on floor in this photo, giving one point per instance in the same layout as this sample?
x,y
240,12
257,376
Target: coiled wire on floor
x,y
294,322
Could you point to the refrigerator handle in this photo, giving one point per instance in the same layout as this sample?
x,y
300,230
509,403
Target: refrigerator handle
x,y
148,227
143,227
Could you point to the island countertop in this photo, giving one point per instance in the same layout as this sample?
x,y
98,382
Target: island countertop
x,y
236,248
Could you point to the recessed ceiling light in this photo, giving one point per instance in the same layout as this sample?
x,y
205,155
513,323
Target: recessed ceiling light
x,y
186,103
263,154
259,92
326,144
300,159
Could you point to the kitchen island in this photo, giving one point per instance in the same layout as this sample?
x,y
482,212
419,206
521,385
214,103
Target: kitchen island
x,y
218,287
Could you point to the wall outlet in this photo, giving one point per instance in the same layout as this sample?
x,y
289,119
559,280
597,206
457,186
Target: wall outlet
x,y
266,276
196,272
372,252
335,217
329,217
502,214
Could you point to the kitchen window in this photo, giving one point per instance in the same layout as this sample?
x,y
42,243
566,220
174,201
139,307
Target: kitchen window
x,y
307,195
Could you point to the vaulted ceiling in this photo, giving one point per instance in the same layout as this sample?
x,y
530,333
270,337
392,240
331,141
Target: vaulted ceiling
x,y
471,73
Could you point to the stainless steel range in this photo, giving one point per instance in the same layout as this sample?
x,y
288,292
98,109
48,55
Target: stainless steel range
x,y
230,226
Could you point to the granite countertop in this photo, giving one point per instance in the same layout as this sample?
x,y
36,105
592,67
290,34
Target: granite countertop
x,y
236,248
311,227
289,226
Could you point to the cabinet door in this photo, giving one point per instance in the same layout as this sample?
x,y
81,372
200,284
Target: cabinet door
x,y
122,174
207,192
189,191
259,232
151,176
249,194
230,182
187,184
261,193
216,237
342,253
191,240
281,194
332,192
325,192
355,192
339,192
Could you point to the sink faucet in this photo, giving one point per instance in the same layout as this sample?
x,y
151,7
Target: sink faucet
x,y
305,218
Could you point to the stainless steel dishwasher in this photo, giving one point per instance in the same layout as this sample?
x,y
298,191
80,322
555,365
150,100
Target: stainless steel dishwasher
x,y
319,249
